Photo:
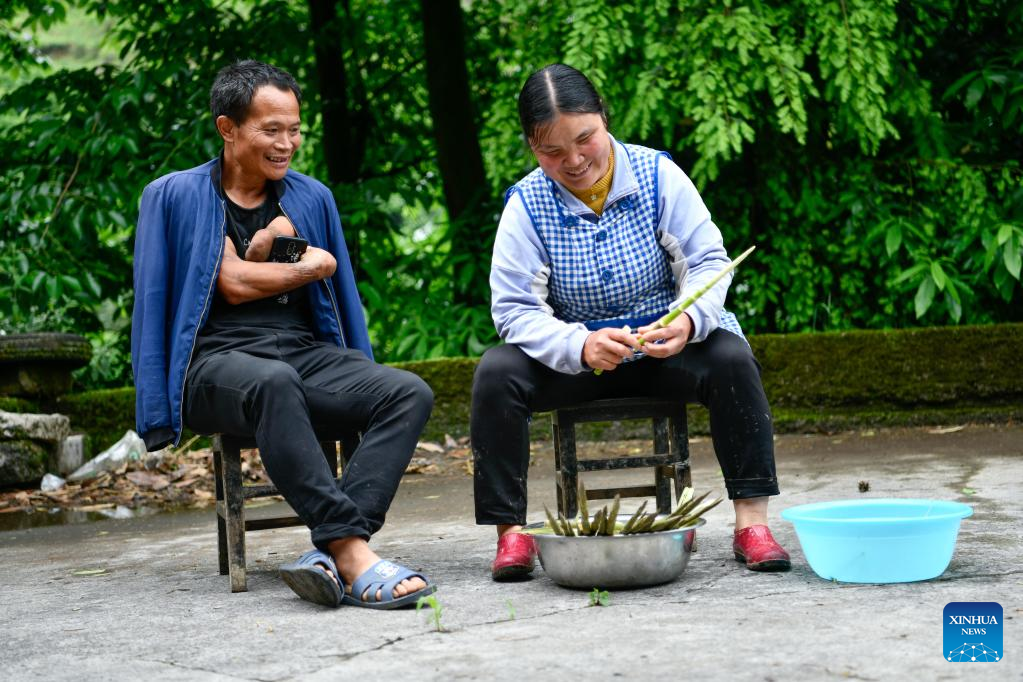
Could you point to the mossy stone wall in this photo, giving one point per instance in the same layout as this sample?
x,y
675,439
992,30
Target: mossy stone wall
x,y
451,381
102,415
898,368
815,382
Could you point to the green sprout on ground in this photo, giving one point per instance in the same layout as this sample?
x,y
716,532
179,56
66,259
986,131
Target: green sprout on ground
x,y
511,609
435,610
600,597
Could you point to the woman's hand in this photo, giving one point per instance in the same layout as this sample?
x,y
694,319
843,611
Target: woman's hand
x,y
676,335
607,348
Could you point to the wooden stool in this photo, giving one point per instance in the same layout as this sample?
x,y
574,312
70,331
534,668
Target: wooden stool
x,y
231,493
670,459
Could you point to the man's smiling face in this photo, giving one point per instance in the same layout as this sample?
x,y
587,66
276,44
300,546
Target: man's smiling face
x,y
265,142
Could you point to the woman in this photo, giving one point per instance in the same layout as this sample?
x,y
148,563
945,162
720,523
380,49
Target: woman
x,y
598,240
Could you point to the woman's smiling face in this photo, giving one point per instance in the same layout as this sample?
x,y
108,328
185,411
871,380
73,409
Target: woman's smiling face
x,y
573,149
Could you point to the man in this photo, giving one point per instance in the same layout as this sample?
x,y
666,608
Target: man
x,y
224,341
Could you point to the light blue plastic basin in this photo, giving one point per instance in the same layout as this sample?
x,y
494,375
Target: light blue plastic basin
x,y
878,540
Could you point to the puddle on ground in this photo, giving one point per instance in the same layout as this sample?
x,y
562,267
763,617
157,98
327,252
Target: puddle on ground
x,y
37,518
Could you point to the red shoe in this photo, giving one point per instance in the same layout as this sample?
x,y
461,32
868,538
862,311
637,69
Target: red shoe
x,y
516,554
755,547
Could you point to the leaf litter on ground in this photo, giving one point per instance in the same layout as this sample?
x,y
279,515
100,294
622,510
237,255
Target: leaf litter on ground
x,y
184,478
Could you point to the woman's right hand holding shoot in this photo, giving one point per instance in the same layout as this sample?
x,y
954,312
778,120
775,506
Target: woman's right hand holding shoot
x,y
609,347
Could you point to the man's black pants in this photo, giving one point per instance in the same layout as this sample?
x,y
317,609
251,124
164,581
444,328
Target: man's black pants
x,y
291,391
719,372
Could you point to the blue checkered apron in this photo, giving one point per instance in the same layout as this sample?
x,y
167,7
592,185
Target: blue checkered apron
x,y
612,272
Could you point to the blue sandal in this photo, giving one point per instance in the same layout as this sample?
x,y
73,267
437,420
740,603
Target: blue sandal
x,y
307,579
385,576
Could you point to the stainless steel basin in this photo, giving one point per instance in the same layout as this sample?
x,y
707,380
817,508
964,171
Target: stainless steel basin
x,y
616,561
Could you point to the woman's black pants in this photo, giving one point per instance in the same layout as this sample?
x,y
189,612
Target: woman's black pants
x,y
719,373
291,392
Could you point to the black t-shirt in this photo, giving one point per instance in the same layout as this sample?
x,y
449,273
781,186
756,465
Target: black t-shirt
x,y
288,311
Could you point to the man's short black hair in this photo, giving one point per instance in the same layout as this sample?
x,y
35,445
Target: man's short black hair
x,y
235,86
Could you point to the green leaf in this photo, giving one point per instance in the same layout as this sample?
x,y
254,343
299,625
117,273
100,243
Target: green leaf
x,y
924,296
974,93
952,288
1011,257
938,275
71,283
407,343
53,288
893,238
910,273
953,305
1004,284
1004,232
958,85
38,281
437,351
93,285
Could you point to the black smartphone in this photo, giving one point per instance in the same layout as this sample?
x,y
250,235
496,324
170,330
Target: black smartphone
x,y
287,249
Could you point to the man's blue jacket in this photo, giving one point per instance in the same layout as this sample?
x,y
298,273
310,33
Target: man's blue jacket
x,y
179,244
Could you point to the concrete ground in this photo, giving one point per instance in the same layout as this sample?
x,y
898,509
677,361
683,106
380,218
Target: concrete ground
x,y
141,598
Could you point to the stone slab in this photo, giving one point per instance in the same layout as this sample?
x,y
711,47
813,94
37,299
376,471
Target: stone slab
x,y
53,428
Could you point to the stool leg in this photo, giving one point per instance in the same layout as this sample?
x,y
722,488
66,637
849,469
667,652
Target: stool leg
x,y
567,466
678,427
556,435
329,448
218,482
662,482
235,504
348,444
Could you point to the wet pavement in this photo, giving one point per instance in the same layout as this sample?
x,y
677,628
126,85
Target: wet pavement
x,y
141,597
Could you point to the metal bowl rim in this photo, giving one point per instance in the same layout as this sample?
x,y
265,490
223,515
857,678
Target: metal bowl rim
x,y
547,536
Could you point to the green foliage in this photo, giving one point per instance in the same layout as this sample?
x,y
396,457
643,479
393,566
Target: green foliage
x,y
409,307
111,360
10,403
870,149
